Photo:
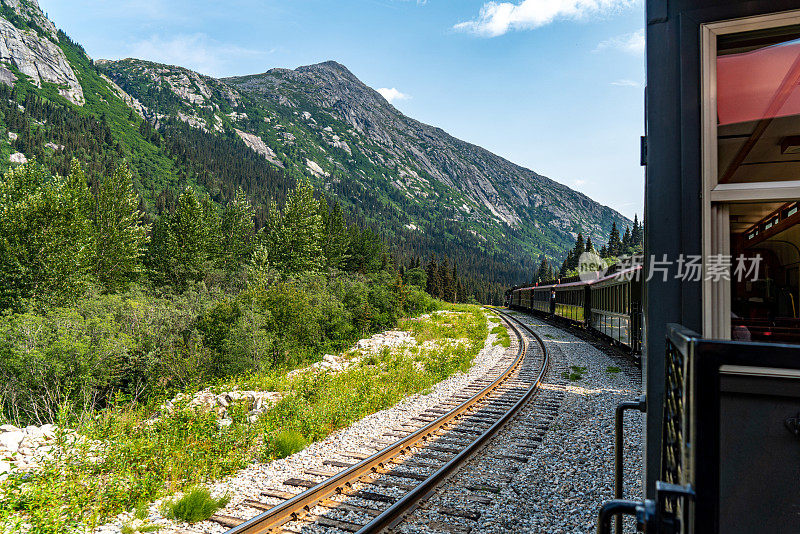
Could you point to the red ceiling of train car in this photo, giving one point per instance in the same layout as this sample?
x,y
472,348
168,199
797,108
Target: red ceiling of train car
x,y
761,84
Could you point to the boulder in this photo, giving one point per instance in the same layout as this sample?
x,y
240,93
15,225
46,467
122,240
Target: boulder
x,y
11,440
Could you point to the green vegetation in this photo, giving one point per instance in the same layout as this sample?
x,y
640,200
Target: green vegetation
x,y
139,523
632,242
503,338
137,453
576,373
195,505
108,313
286,443
613,369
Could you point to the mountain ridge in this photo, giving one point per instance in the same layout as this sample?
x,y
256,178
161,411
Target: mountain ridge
x,y
426,191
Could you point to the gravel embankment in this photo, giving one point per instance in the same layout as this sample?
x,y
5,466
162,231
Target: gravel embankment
x,y
568,474
248,483
566,478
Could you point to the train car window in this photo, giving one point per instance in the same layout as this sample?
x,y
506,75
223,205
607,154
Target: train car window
x,y
765,272
758,106
751,174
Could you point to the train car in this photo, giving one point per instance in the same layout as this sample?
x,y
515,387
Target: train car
x,y
540,301
525,298
615,308
721,342
608,305
573,301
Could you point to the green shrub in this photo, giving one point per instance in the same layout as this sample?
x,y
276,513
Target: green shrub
x,y
287,443
195,505
576,373
139,523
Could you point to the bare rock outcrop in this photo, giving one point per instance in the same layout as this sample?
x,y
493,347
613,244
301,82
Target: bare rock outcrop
x,y
259,146
36,54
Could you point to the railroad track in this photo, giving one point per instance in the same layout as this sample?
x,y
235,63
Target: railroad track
x,y
373,492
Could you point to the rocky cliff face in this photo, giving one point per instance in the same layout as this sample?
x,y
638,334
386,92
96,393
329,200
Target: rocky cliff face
x,y
323,121
425,190
28,46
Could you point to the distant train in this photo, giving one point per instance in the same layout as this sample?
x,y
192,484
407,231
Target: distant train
x,y
609,305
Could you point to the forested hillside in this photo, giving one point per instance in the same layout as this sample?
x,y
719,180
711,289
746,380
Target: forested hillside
x,y
427,195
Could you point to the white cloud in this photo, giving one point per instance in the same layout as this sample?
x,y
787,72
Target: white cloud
x,y
194,51
578,183
626,83
632,43
392,94
497,18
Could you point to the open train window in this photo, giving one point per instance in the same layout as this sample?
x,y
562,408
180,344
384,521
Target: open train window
x,y
751,176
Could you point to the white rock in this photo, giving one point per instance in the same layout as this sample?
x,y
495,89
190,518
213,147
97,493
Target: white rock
x,y
12,136
17,157
11,440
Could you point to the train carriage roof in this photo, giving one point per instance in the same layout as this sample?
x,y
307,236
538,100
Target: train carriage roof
x,y
629,271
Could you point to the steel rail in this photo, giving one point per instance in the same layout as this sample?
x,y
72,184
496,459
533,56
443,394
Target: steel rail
x,y
301,504
395,513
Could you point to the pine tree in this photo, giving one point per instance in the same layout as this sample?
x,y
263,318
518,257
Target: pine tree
x,y
626,240
579,249
545,270
589,245
636,233
614,243
187,240
434,282
119,233
336,238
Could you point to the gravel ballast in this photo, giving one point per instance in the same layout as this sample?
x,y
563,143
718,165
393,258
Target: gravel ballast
x,y
569,473
568,476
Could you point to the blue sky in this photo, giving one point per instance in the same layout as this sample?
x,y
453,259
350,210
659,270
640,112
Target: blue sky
x,y
553,85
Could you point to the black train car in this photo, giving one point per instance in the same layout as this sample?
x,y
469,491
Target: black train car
x,y
608,305
720,345
615,308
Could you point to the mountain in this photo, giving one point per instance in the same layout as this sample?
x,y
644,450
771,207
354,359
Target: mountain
x,y
424,190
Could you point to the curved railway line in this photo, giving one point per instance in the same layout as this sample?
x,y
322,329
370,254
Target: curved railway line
x,y
379,490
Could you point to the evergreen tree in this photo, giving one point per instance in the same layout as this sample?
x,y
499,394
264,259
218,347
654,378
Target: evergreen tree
x,y
336,241
434,282
545,271
614,243
626,240
187,235
579,249
295,237
448,283
120,235
589,245
636,233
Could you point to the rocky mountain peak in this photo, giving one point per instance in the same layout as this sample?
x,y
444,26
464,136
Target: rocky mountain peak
x,y
29,46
